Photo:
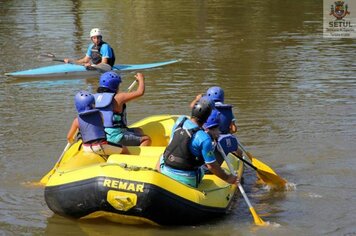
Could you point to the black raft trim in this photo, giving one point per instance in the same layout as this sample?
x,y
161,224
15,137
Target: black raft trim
x,y
156,204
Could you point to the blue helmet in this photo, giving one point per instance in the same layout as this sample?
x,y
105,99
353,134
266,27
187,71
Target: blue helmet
x,y
201,110
110,80
216,93
213,120
84,101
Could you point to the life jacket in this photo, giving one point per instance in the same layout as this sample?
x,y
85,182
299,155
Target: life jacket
x,y
91,126
104,102
177,154
226,117
228,142
96,56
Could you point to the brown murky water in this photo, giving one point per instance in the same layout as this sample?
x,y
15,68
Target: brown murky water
x,y
294,94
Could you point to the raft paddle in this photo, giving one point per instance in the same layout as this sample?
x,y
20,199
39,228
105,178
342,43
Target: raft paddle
x,y
270,178
45,178
102,67
257,219
266,173
132,85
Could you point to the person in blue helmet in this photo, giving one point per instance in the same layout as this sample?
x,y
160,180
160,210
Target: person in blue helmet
x,y
98,52
190,148
211,127
227,125
90,124
112,104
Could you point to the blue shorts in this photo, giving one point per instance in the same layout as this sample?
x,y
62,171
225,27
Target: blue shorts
x,y
191,178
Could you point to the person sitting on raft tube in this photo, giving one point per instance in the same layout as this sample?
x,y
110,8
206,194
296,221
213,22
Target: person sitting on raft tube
x,y
190,148
97,52
112,104
90,124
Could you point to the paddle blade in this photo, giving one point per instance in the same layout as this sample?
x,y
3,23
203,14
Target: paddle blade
x,y
267,175
49,57
46,57
102,67
257,218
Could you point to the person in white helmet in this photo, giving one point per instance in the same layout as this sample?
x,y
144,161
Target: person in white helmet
x,y
98,51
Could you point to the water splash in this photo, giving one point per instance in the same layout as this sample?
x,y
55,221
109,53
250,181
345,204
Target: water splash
x,y
314,195
290,186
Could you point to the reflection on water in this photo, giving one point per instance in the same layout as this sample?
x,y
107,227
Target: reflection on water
x,y
293,94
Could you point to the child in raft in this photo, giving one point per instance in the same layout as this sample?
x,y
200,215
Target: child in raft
x,y
90,124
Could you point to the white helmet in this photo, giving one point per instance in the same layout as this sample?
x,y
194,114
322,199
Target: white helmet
x,y
95,32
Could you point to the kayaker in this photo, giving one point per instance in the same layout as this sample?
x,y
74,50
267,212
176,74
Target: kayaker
x,y
227,124
112,104
90,124
190,148
98,51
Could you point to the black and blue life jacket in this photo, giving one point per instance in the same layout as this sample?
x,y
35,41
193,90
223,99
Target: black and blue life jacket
x,y
177,154
96,56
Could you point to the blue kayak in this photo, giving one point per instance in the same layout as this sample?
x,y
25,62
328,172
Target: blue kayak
x,y
73,70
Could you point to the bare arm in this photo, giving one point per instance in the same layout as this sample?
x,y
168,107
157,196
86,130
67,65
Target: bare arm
x,y
83,60
124,97
104,60
219,172
195,100
233,127
72,130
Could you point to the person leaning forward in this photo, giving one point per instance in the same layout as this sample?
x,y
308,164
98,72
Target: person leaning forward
x,y
227,126
184,156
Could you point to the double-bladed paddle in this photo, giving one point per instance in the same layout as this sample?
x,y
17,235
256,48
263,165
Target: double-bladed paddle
x,y
102,67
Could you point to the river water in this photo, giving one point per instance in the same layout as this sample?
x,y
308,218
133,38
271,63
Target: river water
x,y
294,94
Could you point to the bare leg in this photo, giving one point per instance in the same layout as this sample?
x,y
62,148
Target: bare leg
x,y
125,150
145,141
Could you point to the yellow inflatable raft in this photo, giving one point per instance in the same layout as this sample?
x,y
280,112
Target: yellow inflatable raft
x,y
127,189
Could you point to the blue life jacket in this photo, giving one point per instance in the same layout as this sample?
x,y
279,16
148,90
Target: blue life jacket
x,y
226,117
104,102
91,126
96,56
228,142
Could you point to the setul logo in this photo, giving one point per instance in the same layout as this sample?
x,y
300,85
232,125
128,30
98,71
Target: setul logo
x,y
338,21
339,11
123,185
